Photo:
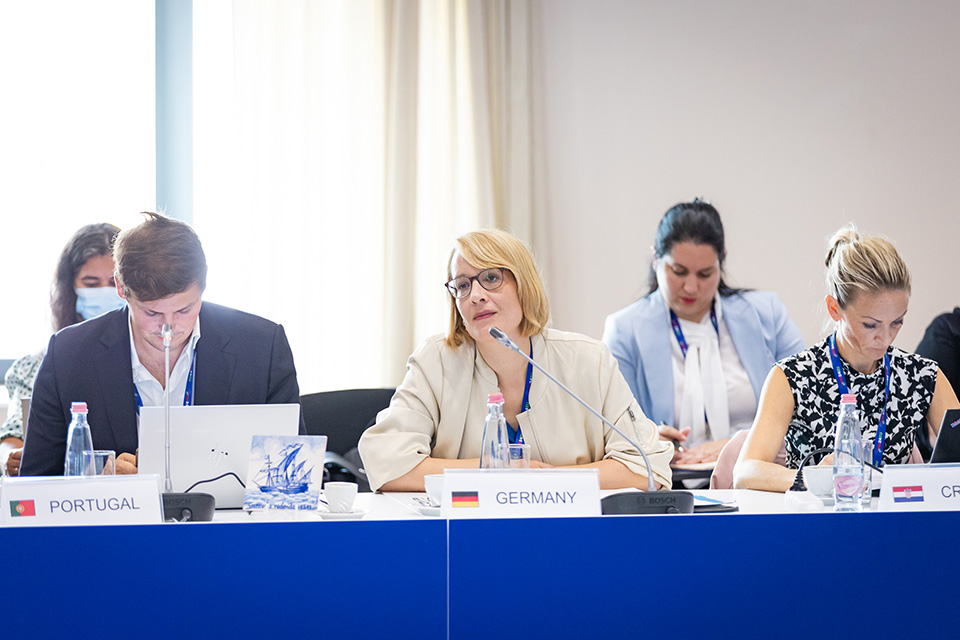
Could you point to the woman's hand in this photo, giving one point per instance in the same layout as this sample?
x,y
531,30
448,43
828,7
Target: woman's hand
x,y
13,462
536,464
11,452
670,434
705,452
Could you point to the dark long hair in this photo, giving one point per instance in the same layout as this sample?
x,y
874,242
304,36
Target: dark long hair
x,y
697,222
89,242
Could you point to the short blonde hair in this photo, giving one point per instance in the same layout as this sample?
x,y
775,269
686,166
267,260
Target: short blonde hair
x,y
856,265
492,248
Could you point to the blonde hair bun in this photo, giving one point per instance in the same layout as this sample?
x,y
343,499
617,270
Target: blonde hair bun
x,y
857,264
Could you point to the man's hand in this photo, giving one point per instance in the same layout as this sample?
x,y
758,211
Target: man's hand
x,y
126,464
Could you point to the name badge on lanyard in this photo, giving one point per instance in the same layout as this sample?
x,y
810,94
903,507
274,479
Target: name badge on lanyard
x,y
516,435
678,332
188,392
841,379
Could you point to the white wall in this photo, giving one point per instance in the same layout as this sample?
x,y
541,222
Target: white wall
x,y
76,141
793,118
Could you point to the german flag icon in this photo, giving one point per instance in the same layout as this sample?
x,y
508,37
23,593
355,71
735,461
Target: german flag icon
x,y
465,499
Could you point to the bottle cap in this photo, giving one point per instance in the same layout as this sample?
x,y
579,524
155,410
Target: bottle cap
x,y
78,407
495,398
848,398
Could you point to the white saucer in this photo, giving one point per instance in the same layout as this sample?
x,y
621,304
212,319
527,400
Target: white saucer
x,y
432,512
347,515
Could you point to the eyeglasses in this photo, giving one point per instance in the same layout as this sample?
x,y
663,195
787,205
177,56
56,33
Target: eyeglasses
x,y
489,279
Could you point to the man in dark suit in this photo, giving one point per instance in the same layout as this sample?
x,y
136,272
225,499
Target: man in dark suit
x,y
941,343
115,363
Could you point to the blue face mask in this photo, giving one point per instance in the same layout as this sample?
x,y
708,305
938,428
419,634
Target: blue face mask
x,y
97,301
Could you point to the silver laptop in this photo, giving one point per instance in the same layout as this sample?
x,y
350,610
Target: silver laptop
x,y
209,441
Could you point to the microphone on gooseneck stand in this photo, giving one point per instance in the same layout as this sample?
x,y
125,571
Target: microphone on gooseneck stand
x,y
649,501
167,333
178,507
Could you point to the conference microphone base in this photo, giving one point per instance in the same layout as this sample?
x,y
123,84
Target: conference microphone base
x,y
643,502
188,507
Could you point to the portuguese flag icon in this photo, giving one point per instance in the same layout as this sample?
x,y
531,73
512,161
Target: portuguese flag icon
x,y
22,508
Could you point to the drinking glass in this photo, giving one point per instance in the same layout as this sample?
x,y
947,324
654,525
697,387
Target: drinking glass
x,y
99,462
517,455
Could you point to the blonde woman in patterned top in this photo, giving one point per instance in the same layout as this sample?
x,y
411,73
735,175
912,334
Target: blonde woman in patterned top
x,y
898,393
83,288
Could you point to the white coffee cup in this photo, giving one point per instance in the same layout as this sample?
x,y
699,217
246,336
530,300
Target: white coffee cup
x,y
434,485
340,496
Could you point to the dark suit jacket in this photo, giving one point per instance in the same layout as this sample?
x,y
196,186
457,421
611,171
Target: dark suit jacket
x,y
240,359
941,343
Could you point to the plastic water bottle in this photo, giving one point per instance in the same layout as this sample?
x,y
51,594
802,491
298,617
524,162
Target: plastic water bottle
x,y
78,440
847,457
492,455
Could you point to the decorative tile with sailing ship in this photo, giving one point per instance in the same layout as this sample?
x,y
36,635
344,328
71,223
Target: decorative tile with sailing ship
x,y
285,472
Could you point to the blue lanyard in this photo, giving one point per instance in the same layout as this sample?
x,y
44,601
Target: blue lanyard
x,y
842,385
678,332
187,394
516,437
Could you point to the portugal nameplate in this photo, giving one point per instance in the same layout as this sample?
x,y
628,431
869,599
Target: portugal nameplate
x,y
78,500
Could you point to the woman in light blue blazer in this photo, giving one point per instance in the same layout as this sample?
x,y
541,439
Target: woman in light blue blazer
x,y
694,351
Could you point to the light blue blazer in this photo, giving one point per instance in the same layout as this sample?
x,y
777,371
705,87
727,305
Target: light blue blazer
x,y
640,338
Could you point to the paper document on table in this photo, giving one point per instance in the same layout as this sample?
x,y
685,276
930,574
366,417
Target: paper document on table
x,y
704,504
696,466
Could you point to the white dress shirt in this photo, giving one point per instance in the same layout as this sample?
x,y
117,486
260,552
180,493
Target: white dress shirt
x,y
151,389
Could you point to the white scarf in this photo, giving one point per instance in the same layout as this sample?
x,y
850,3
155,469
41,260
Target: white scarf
x,y
704,385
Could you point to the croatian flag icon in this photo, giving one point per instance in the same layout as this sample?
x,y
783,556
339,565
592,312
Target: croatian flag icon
x,y
908,494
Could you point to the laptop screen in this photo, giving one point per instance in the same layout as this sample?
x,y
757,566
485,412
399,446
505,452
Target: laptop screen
x,y
947,448
208,442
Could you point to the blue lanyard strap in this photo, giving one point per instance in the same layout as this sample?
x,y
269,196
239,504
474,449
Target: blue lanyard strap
x,y
187,395
516,436
841,379
678,332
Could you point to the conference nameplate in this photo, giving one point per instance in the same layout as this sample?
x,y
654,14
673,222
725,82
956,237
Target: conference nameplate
x,y
79,500
520,493
920,487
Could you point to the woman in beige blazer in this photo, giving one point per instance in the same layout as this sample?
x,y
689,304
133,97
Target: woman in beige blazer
x,y
435,419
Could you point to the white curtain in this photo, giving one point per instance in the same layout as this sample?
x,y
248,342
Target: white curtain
x,y
339,149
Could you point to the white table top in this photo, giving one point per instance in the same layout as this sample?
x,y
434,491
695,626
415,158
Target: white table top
x,y
401,506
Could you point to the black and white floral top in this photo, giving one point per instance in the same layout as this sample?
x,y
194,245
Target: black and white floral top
x,y
816,399
19,381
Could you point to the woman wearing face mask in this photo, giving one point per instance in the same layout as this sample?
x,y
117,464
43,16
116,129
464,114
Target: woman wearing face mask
x,y
83,288
435,420
694,351
898,393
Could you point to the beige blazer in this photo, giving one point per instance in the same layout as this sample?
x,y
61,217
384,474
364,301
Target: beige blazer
x,y
439,410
